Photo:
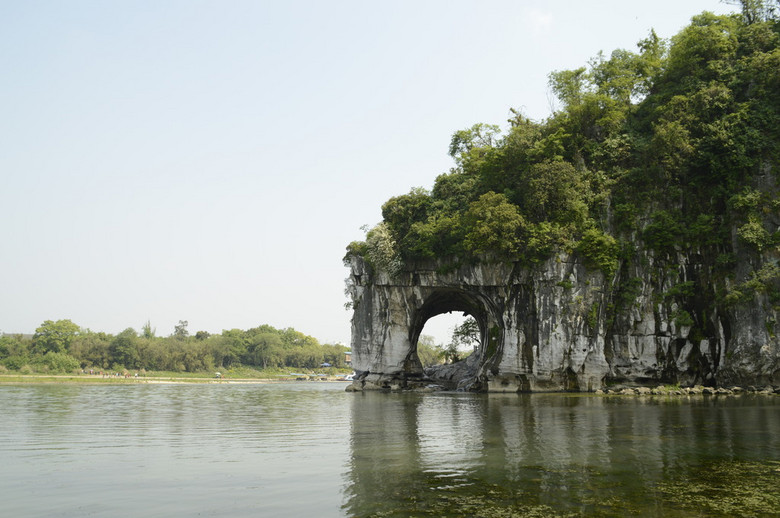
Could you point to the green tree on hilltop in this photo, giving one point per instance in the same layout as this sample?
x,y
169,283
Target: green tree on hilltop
x,y
649,148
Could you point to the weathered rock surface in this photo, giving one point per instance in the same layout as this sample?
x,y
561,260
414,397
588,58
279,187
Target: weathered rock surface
x,y
562,326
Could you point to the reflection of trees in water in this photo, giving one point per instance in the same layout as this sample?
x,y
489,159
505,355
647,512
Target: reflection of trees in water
x,y
475,454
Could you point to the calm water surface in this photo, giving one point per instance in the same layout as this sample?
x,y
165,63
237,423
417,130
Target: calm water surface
x,y
313,449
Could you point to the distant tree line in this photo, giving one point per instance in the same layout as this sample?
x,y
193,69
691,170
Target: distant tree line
x,y
62,346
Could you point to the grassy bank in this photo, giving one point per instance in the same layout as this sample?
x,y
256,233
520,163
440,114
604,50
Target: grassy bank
x,y
241,375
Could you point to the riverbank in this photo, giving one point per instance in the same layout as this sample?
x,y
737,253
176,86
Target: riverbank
x,y
13,379
97,379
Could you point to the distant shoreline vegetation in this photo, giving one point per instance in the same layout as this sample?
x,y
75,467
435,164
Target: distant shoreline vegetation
x,y
63,347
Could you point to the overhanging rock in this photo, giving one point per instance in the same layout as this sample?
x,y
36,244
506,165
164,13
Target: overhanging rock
x,y
556,327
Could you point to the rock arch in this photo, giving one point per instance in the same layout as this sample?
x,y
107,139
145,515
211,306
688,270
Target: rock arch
x,y
558,326
390,313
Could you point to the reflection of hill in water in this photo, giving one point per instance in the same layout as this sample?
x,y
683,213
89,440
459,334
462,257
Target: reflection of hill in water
x,y
465,454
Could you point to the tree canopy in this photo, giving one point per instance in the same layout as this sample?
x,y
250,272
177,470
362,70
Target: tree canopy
x,y
54,337
62,346
656,145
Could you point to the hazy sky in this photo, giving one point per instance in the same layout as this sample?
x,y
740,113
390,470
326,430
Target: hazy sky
x,y
210,160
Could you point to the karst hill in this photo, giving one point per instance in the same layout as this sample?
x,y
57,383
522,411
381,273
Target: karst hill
x,y
630,238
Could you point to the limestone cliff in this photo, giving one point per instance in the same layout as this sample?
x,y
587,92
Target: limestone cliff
x,y
564,326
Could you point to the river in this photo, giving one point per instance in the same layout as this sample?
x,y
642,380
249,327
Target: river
x,y
310,448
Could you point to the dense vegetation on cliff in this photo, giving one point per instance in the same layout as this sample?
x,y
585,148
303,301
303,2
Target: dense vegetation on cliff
x,y
674,147
62,346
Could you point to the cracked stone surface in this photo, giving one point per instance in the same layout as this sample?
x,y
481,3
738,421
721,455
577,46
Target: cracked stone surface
x,y
559,326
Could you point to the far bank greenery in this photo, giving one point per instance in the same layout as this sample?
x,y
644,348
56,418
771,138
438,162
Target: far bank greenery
x,y
673,147
63,347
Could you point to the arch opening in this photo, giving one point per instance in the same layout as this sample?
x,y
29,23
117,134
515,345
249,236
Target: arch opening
x,y
447,338
474,322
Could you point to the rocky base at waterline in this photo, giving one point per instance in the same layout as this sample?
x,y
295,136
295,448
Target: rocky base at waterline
x,y
376,383
458,376
662,390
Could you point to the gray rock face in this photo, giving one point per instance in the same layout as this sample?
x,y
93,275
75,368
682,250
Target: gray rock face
x,y
562,326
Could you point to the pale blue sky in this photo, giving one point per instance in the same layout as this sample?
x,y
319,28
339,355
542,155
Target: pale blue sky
x,y
210,160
